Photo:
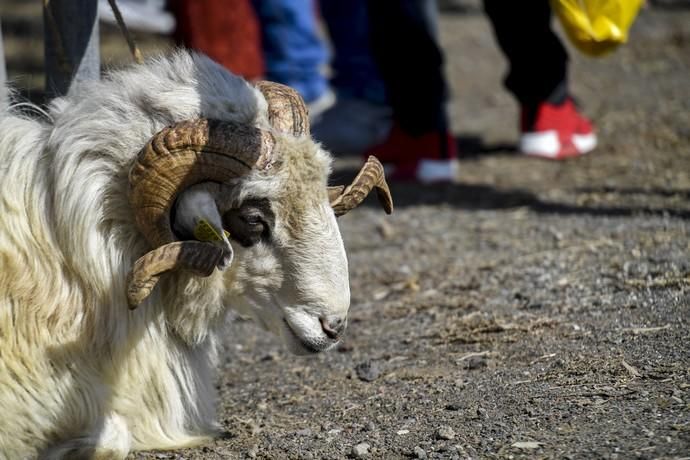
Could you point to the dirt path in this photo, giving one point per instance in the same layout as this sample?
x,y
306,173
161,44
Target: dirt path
x,y
532,310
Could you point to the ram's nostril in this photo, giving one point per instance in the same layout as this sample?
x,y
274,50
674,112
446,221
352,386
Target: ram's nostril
x,y
333,327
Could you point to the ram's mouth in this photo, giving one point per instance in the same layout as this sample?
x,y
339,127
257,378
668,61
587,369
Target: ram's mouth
x,y
303,346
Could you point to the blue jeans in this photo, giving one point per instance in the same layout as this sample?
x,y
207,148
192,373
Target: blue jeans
x,y
294,53
355,73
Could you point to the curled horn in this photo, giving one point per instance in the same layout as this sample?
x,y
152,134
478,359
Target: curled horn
x,y
195,256
286,109
344,199
174,159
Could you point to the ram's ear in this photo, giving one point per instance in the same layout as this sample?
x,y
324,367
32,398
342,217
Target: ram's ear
x,y
215,234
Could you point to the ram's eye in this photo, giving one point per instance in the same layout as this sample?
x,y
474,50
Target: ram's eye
x,y
250,223
252,220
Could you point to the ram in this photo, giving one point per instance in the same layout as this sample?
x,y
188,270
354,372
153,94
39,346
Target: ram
x,y
133,217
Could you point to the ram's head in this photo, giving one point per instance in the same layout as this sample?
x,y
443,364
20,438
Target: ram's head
x,y
262,213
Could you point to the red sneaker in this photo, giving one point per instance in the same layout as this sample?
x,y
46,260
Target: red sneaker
x,y
429,158
556,132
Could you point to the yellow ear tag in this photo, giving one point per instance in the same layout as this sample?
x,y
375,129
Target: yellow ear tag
x,y
205,232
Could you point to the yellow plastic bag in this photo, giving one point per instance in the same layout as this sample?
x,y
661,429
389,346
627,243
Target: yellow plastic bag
x,y
596,27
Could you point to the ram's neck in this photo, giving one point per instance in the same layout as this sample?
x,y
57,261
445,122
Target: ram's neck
x,y
192,306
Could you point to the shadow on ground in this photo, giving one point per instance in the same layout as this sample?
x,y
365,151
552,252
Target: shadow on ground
x,y
490,197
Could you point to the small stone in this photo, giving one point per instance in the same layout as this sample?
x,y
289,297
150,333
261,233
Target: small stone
x,y
307,456
475,362
445,432
453,406
419,452
304,432
345,347
369,426
253,451
368,371
361,450
526,445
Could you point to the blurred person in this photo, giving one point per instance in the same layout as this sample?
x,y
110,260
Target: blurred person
x,y
294,51
550,123
276,40
387,73
404,46
230,36
375,112
361,116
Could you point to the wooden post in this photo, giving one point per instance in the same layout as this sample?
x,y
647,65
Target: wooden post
x,y
71,43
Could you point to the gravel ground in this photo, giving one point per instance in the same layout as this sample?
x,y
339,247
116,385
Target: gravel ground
x,y
531,310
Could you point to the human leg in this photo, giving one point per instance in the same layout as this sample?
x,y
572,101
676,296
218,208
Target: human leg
x,y
410,62
550,123
361,116
294,52
538,61
403,41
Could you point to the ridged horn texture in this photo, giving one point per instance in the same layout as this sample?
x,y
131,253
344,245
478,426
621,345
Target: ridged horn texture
x,y
176,158
334,192
371,176
286,109
197,257
186,154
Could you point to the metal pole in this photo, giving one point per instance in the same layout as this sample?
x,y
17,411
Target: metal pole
x,y
71,43
3,71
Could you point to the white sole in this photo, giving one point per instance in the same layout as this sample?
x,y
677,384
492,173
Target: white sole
x,y
585,143
430,171
547,145
543,144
